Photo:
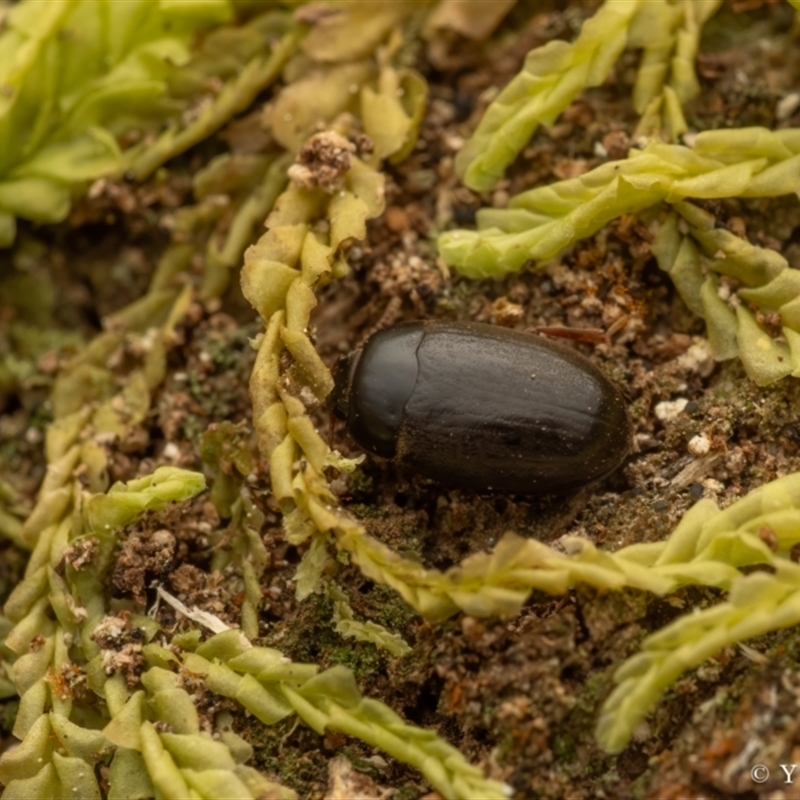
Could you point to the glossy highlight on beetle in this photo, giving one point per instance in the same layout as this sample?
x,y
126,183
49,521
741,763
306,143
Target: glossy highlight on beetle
x,y
484,408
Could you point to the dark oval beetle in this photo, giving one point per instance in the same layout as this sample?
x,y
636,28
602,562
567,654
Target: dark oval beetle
x,y
483,408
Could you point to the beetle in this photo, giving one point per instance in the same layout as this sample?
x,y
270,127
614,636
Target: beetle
x,y
482,408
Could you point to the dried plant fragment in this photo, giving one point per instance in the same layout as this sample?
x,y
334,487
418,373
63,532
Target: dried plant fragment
x,y
475,19
350,30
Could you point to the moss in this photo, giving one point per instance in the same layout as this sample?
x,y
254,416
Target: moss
x,y
383,605
406,793
290,753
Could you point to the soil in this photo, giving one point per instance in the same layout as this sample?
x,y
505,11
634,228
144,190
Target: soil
x,y
518,696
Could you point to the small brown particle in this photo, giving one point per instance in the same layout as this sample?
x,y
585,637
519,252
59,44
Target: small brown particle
x,y
396,219
82,552
121,645
143,557
48,363
346,783
616,144
506,313
570,168
322,162
737,226
769,537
